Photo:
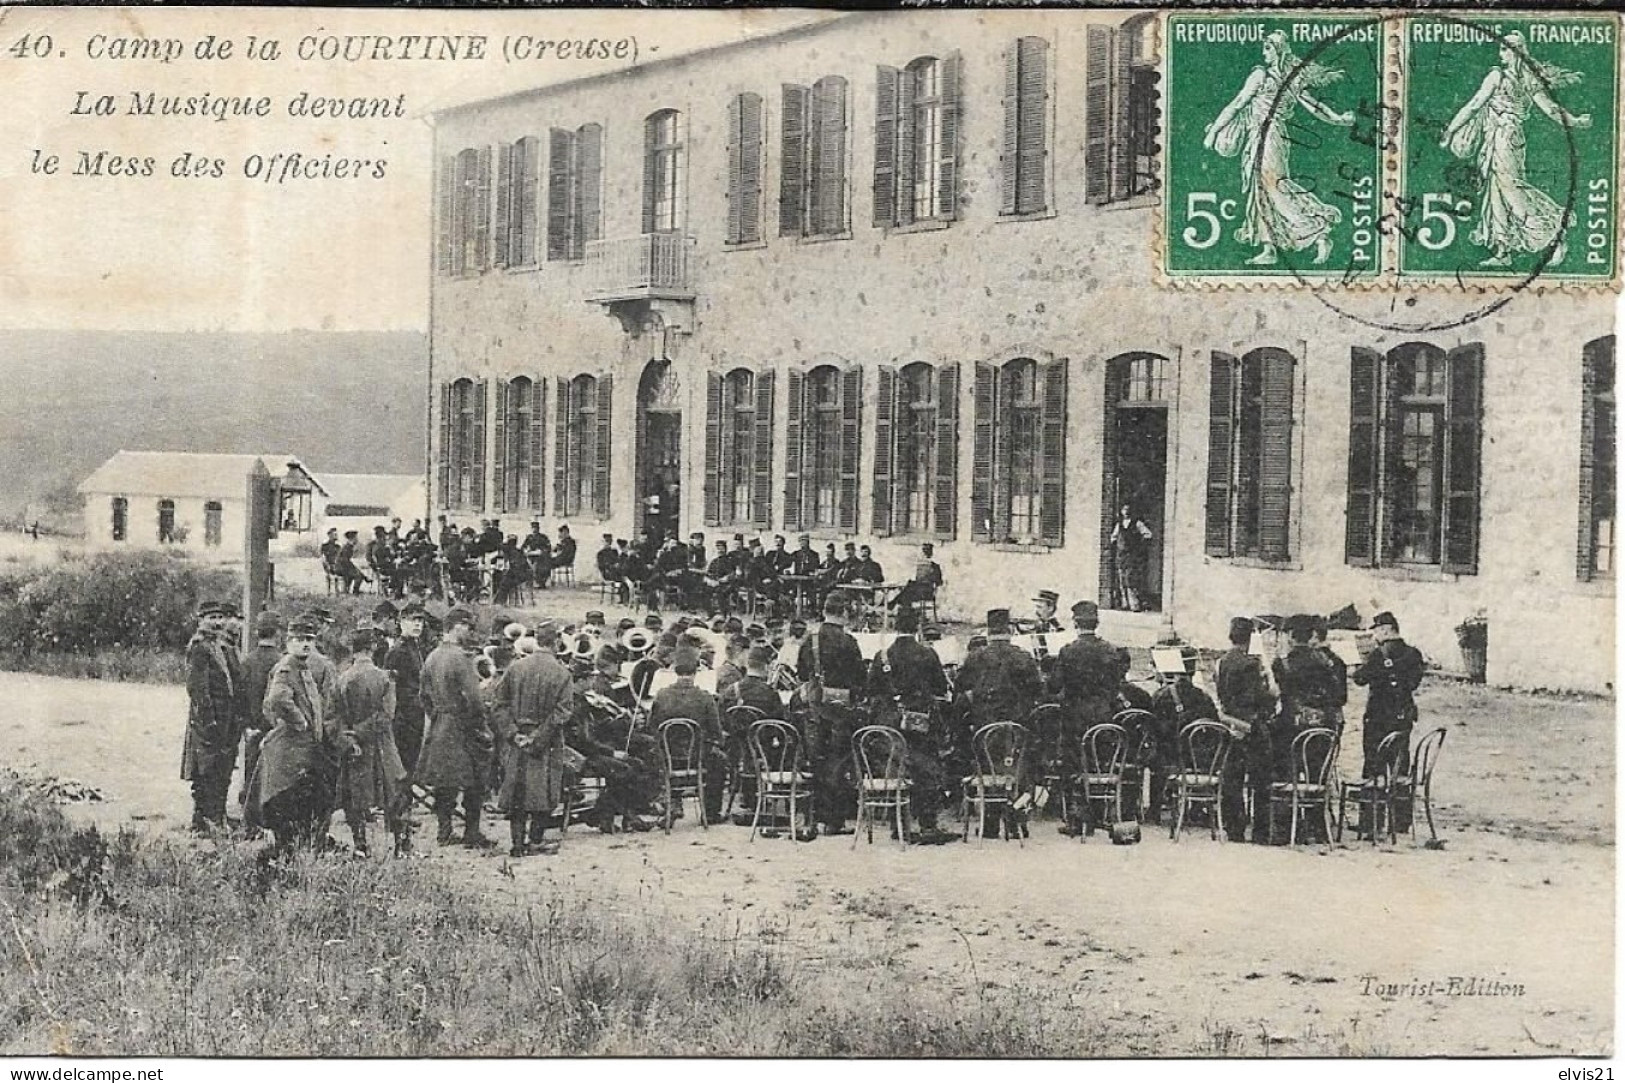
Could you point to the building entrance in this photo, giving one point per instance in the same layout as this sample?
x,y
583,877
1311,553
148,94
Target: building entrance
x,y
1134,492
659,450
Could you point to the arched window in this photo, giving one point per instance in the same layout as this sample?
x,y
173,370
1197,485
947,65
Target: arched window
x,y
1018,475
824,399
739,448
1250,454
582,449
212,512
925,81
121,519
1120,110
664,183
518,459
739,415
823,441
916,450
917,141
463,418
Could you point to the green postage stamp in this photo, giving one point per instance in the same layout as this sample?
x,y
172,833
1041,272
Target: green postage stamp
x,y
1511,147
1419,147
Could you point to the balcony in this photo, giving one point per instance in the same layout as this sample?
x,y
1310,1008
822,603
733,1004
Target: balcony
x,y
643,281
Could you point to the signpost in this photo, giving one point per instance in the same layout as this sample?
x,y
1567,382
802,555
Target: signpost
x,y
259,526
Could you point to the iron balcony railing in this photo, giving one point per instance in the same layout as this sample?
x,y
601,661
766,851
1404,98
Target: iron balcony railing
x,y
648,265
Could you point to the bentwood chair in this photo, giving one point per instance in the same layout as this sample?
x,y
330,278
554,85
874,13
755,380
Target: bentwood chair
x,y
1100,784
1198,779
1374,794
1418,783
781,777
999,752
1313,756
683,750
881,755
736,723
1141,727
1045,723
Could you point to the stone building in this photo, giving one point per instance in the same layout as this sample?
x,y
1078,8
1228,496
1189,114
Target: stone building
x,y
890,277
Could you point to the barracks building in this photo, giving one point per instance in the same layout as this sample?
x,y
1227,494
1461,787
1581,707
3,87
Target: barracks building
x,y
891,278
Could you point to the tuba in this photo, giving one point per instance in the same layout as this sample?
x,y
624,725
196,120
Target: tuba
x,y
638,642
583,647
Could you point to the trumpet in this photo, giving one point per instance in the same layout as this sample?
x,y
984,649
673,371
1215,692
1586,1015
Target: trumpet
x,y
638,642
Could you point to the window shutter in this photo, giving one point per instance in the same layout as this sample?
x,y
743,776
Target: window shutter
x,y
559,200
1010,152
1052,449
1121,158
445,445
1097,114
1399,375
527,177
906,86
1220,453
504,211
945,471
851,436
476,481
981,471
447,212
1596,378
1275,501
795,385
736,169
713,449
1463,428
885,451
462,202
1032,176
1360,540
762,464
651,129
482,210
537,437
561,448
589,188
948,149
887,139
792,160
750,169
827,146
499,450
605,450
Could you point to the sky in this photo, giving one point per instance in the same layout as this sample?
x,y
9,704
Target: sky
x,y
160,252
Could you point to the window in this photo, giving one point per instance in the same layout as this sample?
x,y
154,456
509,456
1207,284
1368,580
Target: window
x,y
1120,111
575,177
462,444
582,449
822,446
745,169
465,212
1249,465
917,142
1597,461
663,172
121,519
916,450
1024,161
295,504
517,464
1018,472
166,522
1414,436
739,448
518,182
211,524
812,175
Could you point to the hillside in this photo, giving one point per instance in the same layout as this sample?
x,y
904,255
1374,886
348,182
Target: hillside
x,y
349,402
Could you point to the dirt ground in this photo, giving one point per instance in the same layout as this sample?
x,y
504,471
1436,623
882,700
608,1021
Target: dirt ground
x,y
1190,948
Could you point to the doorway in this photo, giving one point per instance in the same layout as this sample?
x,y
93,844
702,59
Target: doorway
x,y
1135,478
659,450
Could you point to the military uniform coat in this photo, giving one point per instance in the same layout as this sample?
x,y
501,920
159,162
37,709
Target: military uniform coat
x,y
1088,672
295,755
215,711
456,748
1002,683
533,700
364,708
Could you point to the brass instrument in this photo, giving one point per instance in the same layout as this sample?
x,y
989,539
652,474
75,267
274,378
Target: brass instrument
x,y
584,647
638,642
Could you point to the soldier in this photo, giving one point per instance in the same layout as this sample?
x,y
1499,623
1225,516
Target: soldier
x,y
625,758
257,667
1000,682
1044,604
1307,683
832,671
1340,673
925,584
457,749
404,663
292,794
1391,673
1245,696
215,717
907,688
1176,705
533,701
1088,672
370,773
686,700
732,669
538,553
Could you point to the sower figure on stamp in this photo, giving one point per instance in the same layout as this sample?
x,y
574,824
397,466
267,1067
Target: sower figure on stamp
x,y
906,689
459,742
215,714
1391,675
833,672
1247,700
532,704
370,773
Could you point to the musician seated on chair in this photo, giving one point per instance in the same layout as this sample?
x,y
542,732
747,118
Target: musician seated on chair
x,y
1088,671
1043,620
825,707
719,580
907,689
684,700
925,584
538,550
626,758
1176,705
